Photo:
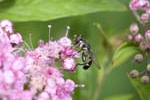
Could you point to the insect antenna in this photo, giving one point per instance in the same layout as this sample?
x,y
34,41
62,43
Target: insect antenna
x,y
96,64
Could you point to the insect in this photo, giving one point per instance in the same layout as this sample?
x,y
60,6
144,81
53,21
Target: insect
x,y
87,54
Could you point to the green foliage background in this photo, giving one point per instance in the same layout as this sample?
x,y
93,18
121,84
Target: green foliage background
x,y
33,16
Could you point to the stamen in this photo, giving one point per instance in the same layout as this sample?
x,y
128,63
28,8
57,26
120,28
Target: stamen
x,y
49,28
67,31
26,44
30,39
18,50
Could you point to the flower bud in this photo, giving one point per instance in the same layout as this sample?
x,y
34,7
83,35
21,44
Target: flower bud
x,y
138,38
145,79
138,58
144,18
148,68
134,5
134,28
143,4
129,37
148,11
143,45
41,43
134,73
147,34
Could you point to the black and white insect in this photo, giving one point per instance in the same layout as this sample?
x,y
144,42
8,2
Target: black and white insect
x,y
87,54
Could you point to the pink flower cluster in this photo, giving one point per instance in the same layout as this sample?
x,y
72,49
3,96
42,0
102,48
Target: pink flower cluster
x,y
33,74
141,11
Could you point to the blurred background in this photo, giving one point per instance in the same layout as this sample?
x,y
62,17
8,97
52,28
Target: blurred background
x,y
34,16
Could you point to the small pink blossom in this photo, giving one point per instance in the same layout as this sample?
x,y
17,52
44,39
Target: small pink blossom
x,y
9,29
134,5
144,4
70,52
18,64
5,23
16,38
9,77
54,49
69,64
64,41
148,11
6,26
134,28
44,96
70,85
138,38
21,95
129,37
144,18
147,35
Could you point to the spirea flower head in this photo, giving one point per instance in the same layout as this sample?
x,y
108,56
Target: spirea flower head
x,y
27,74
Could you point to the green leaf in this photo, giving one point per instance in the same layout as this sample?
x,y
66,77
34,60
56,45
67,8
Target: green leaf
x,y
142,89
120,97
43,10
125,51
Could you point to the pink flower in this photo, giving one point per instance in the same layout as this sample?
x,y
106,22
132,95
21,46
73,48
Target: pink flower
x,y
144,4
134,5
21,95
129,37
70,85
18,64
54,49
69,64
9,29
147,34
16,38
64,41
138,38
5,23
9,77
3,36
134,28
148,11
144,18
70,52
44,96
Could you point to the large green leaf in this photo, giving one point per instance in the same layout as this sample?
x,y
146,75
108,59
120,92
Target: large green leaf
x,y
125,51
142,89
29,10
